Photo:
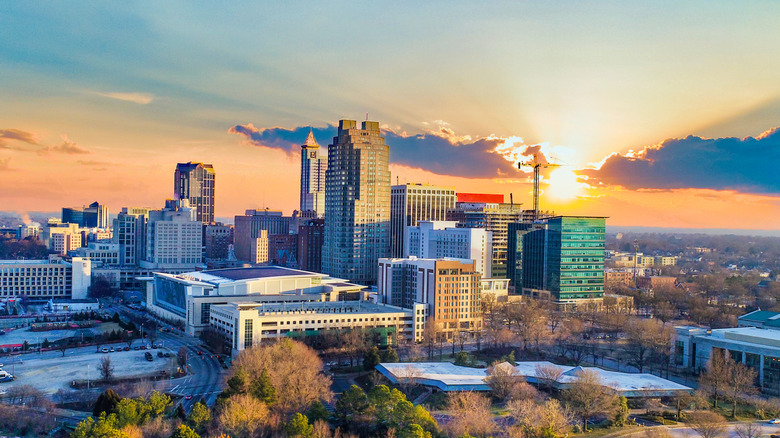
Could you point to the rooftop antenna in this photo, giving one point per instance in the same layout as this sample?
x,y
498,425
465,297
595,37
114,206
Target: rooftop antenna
x,y
366,117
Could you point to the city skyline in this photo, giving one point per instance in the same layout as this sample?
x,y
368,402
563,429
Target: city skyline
x,y
108,99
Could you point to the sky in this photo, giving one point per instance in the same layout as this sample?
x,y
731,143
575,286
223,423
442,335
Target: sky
x,y
653,113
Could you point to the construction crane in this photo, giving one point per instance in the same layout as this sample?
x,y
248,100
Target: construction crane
x,y
536,165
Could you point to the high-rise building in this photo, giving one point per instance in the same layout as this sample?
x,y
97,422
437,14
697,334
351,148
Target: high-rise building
x,y
249,226
310,237
313,167
173,238
561,258
439,239
61,237
258,252
130,233
195,183
357,203
412,203
92,216
449,288
494,217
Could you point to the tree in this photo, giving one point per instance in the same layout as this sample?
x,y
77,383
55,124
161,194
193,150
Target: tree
x,y
748,430
621,413
548,375
740,382
588,396
645,338
100,288
199,416
106,368
106,402
708,424
299,426
262,388
351,405
46,343
429,337
714,380
371,358
540,419
317,412
470,414
181,356
243,415
506,382
183,431
294,370
104,427
390,355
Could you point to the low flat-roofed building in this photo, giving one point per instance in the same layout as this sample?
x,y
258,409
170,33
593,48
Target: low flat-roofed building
x,y
655,281
45,279
188,297
449,377
244,324
71,305
757,348
760,319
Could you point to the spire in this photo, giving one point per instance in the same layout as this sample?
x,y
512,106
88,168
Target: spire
x,y
310,141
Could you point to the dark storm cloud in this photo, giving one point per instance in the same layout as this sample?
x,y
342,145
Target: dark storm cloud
x,y
431,152
742,164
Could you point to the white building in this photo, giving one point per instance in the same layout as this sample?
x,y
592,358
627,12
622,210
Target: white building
x,y
412,203
61,237
439,239
130,233
188,297
105,254
246,324
45,279
313,167
174,238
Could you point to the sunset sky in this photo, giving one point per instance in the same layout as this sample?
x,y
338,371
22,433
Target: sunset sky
x,y
658,113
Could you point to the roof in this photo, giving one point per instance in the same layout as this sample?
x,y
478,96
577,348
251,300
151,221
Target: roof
x,y
480,198
449,377
236,274
310,141
760,316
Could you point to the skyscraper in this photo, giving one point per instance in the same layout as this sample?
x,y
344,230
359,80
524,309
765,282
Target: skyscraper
x,y
357,203
93,216
195,182
313,167
412,203
249,226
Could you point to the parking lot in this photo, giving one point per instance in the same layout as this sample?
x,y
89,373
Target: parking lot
x,y
51,372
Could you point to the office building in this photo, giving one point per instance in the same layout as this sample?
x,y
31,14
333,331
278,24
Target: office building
x,y
313,167
653,282
45,279
449,290
758,348
61,237
258,252
99,253
195,183
440,239
412,203
493,217
28,230
173,238
561,259
618,276
219,237
283,250
130,234
760,319
357,203
188,297
311,234
93,216
249,226
246,324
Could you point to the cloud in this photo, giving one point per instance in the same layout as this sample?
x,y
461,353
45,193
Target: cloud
x,y
743,164
139,98
8,135
93,163
440,150
67,146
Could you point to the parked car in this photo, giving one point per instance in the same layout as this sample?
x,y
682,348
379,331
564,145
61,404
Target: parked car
x,y
136,348
126,348
111,349
774,421
167,354
160,354
148,356
143,347
104,350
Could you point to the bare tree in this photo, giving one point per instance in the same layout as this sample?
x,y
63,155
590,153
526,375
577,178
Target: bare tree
x,y
587,396
748,430
548,375
181,356
506,382
407,378
106,368
740,383
646,339
429,337
541,419
470,414
707,424
714,380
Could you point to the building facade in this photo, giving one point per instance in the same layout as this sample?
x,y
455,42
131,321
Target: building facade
x,y
492,217
311,234
440,239
219,237
45,279
283,250
563,259
313,167
93,216
249,226
61,237
130,234
449,290
412,203
173,239
195,183
357,203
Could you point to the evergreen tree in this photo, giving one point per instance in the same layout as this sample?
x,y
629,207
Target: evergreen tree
x,y
184,432
263,390
106,403
181,413
299,426
371,358
316,412
390,355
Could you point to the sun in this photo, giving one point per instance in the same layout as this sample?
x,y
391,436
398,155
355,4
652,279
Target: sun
x,y
562,185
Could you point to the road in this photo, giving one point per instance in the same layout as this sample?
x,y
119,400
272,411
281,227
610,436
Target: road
x,y
687,432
